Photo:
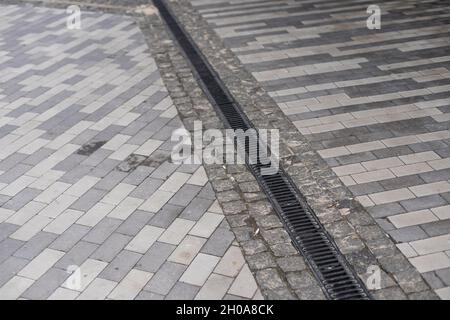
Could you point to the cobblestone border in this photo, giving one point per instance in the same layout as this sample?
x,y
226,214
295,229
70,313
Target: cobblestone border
x,y
280,271
356,233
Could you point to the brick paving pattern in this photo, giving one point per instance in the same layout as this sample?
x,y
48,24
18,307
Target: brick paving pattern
x,y
374,103
85,177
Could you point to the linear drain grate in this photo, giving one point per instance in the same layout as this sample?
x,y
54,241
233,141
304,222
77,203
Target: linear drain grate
x,y
307,233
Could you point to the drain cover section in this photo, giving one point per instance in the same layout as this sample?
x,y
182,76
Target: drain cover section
x,y
338,280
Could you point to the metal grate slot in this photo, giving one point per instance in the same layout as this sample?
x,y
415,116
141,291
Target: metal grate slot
x,y
330,267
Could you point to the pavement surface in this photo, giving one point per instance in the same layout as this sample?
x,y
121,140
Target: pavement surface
x,y
86,180
373,103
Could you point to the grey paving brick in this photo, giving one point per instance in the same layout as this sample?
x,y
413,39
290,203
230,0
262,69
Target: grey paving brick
x,y
120,266
218,242
138,175
146,188
21,199
78,254
164,170
70,237
196,208
438,228
423,203
6,229
155,257
10,267
111,247
386,210
46,284
102,230
182,291
145,295
185,195
408,234
89,199
164,217
134,223
35,245
165,278
8,247
110,180
444,275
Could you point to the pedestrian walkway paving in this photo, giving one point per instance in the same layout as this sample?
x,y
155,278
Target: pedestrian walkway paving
x,y
373,103
91,206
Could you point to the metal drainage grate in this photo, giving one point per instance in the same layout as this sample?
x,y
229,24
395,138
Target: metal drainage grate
x,y
308,235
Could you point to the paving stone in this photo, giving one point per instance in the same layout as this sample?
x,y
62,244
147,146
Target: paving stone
x,y
120,266
155,257
166,277
182,291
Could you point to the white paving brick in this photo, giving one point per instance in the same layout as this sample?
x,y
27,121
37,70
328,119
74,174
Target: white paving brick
x,y
116,142
382,163
156,201
95,214
5,214
175,182
407,250
199,177
206,225
40,264
14,288
176,231
186,251
63,221
370,176
123,152
64,294
58,206
82,186
120,192
244,285
430,188
88,271
52,192
97,290
391,196
148,147
125,208
17,185
31,228
419,157
412,218
131,285
349,169
27,212
199,270
432,245
443,293
231,263
215,288
431,262
442,212
144,239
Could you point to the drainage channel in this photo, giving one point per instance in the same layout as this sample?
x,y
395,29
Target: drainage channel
x,y
308,235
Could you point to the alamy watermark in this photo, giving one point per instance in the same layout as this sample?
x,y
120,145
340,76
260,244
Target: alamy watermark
x,y
229,146
373,281
73,21
374,20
